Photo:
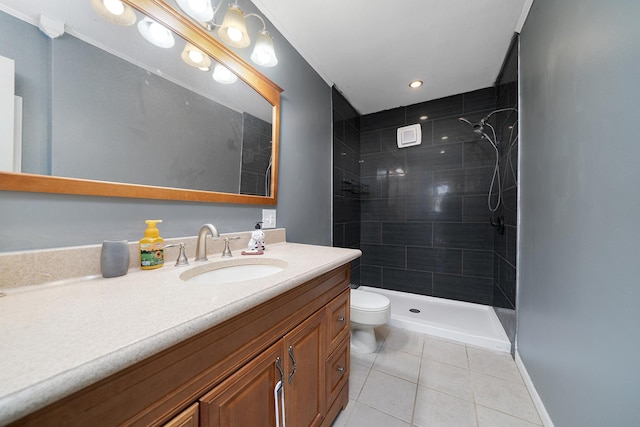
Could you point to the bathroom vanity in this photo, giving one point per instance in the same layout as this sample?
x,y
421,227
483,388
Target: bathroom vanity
x,y
153,349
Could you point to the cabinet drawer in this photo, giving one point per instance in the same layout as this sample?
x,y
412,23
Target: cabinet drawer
x,y
337,320
337,370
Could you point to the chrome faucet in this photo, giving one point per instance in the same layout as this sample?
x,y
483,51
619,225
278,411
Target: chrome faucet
x,y
201,245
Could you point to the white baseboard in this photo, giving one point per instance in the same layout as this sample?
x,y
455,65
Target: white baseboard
x,y
542,411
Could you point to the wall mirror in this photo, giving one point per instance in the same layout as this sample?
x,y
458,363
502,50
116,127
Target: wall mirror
x,y
106,113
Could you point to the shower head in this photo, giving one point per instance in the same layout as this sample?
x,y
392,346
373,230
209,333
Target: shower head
x,y
478,128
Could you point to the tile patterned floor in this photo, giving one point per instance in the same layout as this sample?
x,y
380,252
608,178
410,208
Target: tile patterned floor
x,y
417,380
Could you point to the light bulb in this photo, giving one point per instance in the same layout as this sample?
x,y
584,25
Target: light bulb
x,y
114,6
196,56
223,75
158,31
234,34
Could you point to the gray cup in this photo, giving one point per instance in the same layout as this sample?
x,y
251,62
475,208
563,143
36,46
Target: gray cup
x,y
114,258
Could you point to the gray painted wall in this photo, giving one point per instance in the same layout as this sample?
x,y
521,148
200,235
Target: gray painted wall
x,y
579,288
32,220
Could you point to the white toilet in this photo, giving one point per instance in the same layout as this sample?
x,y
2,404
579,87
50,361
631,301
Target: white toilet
x,y
368,311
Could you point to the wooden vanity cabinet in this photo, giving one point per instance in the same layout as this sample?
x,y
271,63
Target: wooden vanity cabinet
x,y
226,376
249,398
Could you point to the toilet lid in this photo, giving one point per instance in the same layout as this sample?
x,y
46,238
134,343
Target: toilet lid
x,y
368,301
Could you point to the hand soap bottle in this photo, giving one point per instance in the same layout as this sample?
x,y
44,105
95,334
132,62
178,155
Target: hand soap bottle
x,y
151,247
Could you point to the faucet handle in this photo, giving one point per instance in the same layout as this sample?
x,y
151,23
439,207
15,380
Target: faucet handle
x,y
226,253
182,257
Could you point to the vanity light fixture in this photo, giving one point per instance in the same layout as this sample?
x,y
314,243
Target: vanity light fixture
x,y
233,30
223,75
195,57
263,52
156,33
415,84
115,12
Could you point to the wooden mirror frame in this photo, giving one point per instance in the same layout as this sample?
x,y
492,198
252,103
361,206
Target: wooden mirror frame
x,y
191,32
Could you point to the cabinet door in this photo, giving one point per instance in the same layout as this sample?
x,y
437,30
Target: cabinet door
x,y
304,373
246,398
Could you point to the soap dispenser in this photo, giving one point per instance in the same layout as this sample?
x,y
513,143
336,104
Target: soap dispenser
x,y
151,247
257,238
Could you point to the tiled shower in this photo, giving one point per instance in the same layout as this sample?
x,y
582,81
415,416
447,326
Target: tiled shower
x,y
422,212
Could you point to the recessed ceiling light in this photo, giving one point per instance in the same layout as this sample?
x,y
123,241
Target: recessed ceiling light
x,y
424,117
445,137
415,84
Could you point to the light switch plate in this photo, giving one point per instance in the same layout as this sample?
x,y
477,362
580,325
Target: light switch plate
x,y
268,218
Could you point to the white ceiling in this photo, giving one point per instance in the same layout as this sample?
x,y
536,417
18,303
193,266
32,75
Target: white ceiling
x,y
372,49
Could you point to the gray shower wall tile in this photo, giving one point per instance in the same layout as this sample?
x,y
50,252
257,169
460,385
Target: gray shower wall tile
x,y
415,282
346,209
439,186
511,239
463,236
338,236
419,184
437,260
477,263
345,158
352,234
462,288
447,208
436,109
370,276
450,130
383,210
351,137
462,182
478,154
370,142
338,127
407,234
510,206
371,232
475,209
500,299
383,119
500,244
355,275
481,99
389,142
383,255
381,164
421,159
507,280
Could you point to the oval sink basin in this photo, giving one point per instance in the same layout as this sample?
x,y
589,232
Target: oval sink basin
x,y
233,271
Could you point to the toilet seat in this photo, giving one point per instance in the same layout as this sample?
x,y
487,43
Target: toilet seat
x,y
368,301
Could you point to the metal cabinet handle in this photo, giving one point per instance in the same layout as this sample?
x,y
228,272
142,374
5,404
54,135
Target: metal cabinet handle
x,y
279,366
340,369
278,396
341,319
293,359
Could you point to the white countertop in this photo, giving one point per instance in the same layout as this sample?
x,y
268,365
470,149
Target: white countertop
x,y
58,338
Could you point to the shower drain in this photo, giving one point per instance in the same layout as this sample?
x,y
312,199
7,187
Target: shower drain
x,y
414,310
